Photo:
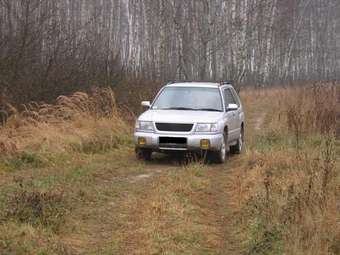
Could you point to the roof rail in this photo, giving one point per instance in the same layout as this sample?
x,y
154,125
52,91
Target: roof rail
x,y
220,83
178,81
226,83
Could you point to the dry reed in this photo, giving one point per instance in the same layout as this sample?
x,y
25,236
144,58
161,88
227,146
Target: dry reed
x,y
79,121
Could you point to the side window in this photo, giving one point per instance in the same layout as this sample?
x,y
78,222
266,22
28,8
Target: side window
x,y
228,97
237,99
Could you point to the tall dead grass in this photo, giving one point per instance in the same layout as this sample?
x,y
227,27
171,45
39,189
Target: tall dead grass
x,y
312,110
291,185
85,122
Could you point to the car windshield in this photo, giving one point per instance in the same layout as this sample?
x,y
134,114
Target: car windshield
x,y
189,98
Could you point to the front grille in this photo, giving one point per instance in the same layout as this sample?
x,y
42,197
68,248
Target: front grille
x,y
173,142
172,127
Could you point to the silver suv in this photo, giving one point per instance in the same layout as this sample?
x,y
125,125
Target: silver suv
x,y
192,116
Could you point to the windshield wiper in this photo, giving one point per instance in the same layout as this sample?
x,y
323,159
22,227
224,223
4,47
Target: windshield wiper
x,y
208,110
179,108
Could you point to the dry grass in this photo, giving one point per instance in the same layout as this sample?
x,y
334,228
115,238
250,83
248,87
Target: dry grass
x,y
35,207
280,197
172,219
82,122
25,239
51,144
291,186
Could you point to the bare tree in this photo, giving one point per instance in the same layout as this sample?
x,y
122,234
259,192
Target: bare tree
x,y
51,47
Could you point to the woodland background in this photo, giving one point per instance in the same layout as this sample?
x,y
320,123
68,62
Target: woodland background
x,y
54,47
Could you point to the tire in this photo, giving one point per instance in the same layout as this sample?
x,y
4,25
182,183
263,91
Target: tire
x,y
238,147
143,154
220,156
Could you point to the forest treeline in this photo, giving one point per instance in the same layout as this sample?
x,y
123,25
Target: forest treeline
x,y
53,47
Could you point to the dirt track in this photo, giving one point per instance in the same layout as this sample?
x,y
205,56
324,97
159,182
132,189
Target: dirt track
x,y
120,205
133,212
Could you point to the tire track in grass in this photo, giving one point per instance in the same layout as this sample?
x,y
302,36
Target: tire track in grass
x,y
223,207
171,209
188,210
207,222
103,213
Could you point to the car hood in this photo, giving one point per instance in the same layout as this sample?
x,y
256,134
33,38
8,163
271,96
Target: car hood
x,y
177,116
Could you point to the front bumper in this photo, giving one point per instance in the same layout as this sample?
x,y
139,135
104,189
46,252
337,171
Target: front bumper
x,y
193,141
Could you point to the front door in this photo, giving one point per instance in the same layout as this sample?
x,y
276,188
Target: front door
x,y
231,117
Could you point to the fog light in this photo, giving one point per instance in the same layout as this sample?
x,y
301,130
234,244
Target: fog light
x,y
205,144
141,141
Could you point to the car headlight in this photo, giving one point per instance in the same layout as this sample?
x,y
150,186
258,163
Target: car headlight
x,y
206,127
144,126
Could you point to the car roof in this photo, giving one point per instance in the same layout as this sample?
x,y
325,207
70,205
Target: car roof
x,y
198,84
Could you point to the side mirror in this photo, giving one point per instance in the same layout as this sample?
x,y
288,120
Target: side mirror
x,y
146,104
232,107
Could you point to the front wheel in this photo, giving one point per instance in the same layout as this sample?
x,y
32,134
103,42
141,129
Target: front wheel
x,y
237,148
143,154
220,155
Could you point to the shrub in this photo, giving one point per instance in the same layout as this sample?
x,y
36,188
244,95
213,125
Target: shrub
x,y
35,207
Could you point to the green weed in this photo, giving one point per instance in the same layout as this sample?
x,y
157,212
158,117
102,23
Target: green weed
x,y
22,239
264,240
38,208
23,160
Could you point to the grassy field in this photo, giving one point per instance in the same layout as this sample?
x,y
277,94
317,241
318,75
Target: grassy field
x,y
70,183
